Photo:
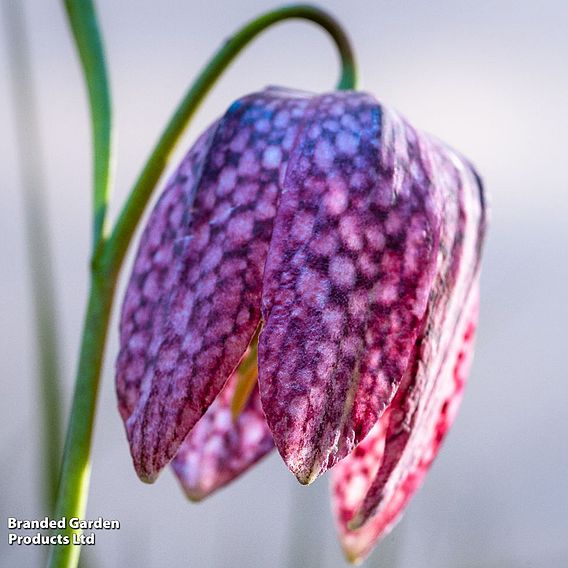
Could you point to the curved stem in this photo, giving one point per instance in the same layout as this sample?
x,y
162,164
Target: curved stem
x,y
157,162
83,22
109,253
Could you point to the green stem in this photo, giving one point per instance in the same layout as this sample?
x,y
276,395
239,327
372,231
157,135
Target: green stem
x,y
30,159
76,468
83,21
158,160
109,253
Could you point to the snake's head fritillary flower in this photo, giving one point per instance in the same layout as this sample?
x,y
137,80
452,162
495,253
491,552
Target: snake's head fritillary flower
x,y
350,243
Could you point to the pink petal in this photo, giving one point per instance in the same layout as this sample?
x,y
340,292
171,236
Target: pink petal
x,y
218,449
353,478
426,402
348,276
205,319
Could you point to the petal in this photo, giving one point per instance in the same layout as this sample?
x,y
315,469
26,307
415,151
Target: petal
x,y
212,308
353,477
420,415
218,449
415,411
152,273
348,275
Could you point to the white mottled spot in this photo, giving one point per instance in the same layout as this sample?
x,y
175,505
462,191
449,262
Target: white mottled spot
x,y
416,172
375,237
324,154
265,210
350,232
374,358
248,164
315,131
240,141
262,125
181,374
253,433
348,121
179,320
299,259
331,125
327,359
338,109
358,485
137,342
289,139
342,271
358,180
142,315
324,244
272,157
297,408
313,287
213,447
351,346
221,214
223,419
393,223
334,321
206,285
245,193
201,237
302,226
358,304
346,143
167,358
243,316
211,259
151,288
240,228
367,266
387,294
336,198
231,266
227,179
281,119
184,300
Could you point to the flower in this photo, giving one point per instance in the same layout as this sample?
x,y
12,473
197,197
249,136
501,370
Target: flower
x,y
352,243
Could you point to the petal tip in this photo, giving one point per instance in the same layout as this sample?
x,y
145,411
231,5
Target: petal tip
x,y
352,557
147,478
195,496
307,473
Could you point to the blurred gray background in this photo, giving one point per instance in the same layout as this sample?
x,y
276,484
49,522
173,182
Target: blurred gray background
x,y
488,77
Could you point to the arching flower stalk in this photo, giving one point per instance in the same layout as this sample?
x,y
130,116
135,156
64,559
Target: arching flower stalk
x,y
351,241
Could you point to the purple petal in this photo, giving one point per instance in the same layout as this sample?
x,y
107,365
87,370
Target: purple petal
x,y
348,275
218,449
208,315
152,273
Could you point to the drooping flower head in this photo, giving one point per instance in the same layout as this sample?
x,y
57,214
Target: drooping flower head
x,y
351,242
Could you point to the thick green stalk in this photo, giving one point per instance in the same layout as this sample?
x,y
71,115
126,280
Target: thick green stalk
x,y
30,161
109,253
